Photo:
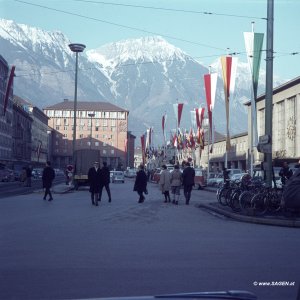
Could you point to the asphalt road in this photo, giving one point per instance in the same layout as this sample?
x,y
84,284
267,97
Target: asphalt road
x,y
8,189
69,249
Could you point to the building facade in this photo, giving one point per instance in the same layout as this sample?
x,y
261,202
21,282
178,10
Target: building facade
x,y
6,114
39,129
286,125
99,125
21,147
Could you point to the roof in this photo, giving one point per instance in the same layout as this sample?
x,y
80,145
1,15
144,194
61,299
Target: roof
x,y
278,89
86,105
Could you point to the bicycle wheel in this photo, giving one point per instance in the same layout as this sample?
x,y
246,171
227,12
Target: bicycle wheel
x,y
258,204
245,201
234,200
273,201
222,196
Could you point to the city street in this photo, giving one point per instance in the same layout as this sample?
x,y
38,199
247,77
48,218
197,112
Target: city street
x,y
69,249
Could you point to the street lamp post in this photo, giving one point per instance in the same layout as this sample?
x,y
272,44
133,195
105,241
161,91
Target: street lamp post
x,y
91,115
75,48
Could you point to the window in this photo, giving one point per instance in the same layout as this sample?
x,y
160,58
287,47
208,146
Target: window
x,y
57,121
113,123
57,127
104,123
104,151
113,115
66,122
112,151
97,144
121,115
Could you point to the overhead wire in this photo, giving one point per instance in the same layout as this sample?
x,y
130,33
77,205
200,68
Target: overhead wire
x,y
171,9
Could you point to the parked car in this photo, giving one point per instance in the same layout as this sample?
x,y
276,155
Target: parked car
x,y
6,175
156,175
199,179
130,173
117,176
211,181
37,173
238,177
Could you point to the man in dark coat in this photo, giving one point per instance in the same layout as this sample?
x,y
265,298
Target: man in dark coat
x,y
188,177
47,178
104,181
94,180
140,185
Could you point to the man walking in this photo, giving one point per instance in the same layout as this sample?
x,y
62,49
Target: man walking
x,y
188,177
104,181
94,180
47,178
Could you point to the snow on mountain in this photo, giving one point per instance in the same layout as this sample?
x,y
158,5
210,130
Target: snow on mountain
x,y
145,76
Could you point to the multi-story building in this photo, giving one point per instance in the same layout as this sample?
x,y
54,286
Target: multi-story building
x,y
39,132
285,132
6,114
99,125
21,146
286,125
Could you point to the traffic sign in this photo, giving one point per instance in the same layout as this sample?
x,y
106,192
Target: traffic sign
x,y
264,148
264,139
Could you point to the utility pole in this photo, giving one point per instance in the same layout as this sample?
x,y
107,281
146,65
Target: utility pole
x,y
269,91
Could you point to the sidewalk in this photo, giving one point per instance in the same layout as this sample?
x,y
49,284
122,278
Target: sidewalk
x,y
275,220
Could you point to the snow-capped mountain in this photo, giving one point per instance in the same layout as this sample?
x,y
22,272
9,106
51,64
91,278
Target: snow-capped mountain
x,y
145,76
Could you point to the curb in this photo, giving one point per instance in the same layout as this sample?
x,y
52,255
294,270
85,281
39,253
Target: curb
x,y
274,222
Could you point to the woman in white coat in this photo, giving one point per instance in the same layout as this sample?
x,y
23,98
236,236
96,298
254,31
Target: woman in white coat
x,y
165,183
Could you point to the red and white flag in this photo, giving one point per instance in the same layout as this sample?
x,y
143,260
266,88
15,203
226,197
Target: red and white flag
x,y
178,112
8,88
210,83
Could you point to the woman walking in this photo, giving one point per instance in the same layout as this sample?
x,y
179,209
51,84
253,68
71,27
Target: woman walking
x,y
165,183
176,181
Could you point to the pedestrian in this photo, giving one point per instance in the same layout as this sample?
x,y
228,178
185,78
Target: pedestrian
x,y
104,181
47,178
165,183
94,181
28,176
140,185
285,173
23,177
188,177
176,181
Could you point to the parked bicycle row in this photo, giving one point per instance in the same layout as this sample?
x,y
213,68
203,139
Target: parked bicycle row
x,y
252,196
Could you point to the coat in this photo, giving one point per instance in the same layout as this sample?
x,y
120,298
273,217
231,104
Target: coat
x,y
176,178
188,176
104,176
48,176
165,181
94,179
140,184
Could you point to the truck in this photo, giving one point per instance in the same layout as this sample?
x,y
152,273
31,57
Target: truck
x,y
84,160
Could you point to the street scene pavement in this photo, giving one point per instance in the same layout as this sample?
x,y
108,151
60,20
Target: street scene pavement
x,y
69,249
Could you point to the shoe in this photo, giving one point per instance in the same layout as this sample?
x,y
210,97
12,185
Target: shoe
x,y
176,202
44,198
97,203
50,199
173,201
109,200
165,201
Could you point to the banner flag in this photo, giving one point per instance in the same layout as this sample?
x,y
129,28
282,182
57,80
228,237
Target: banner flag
x,y
143,148
210,84
8,88
253,45
229,65
178,112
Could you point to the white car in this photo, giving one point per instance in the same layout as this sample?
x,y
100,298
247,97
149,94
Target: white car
x,y
117,176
